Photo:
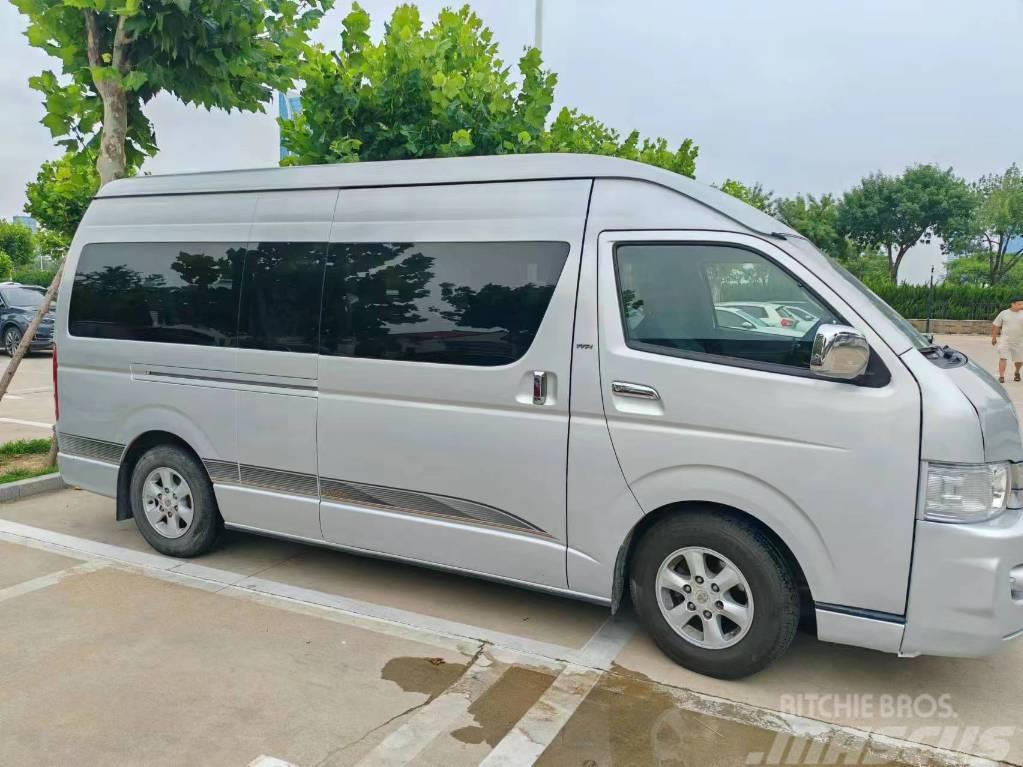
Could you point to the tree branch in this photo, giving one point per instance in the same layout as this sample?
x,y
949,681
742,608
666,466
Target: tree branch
x,y
92,32
1012,262
122,42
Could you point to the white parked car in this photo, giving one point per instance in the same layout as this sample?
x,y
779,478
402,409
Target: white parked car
x,y
732,317
798,312
771,313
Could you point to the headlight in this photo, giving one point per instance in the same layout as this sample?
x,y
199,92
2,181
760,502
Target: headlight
x,y
966,492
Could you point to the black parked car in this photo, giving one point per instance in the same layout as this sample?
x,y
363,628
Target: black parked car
x,y
18,304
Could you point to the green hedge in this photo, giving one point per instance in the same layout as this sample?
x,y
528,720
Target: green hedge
x,y
950,302
41,277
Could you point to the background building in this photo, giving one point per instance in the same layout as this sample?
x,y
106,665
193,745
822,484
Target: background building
x,y
289,106
28,221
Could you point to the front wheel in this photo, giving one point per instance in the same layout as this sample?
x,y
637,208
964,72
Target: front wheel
x,y
173,503
12,340
715,592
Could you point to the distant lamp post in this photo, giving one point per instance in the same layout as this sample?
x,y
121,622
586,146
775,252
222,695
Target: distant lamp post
x,y
538,25
930,303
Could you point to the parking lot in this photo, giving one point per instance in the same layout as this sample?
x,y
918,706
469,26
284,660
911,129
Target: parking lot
x,y
26,411
268,652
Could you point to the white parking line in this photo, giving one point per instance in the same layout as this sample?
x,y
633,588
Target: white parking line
x,y
22,422
403,745
540,725
538,728
269,761
43,581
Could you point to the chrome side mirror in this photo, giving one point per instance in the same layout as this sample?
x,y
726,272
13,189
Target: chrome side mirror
x,y
839,352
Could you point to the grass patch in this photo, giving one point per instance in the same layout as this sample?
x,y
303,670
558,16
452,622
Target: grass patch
x,y
24,447
24,458
15,474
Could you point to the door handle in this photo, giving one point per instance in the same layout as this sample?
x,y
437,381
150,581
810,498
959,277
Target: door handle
x,y
539,387
625,389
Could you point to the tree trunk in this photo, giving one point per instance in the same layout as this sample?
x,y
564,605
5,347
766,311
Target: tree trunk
x,y
111,161
903,249
51,457
26,340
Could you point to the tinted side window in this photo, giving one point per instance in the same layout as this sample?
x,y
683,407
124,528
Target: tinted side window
x,y
184,293
675,299
459,303
280,300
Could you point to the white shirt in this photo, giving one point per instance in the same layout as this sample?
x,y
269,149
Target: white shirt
x,y
1011,324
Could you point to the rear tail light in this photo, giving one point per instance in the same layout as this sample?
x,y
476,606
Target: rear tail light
x,y
786,322
56,399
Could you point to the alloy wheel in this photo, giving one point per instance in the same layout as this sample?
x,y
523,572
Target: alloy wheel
x,y
12,339
167,501
704,597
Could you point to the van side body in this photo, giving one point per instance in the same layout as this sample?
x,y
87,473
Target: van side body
x,y
441,362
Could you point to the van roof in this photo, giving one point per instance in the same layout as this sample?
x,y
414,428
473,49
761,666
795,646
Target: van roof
x,y
460,170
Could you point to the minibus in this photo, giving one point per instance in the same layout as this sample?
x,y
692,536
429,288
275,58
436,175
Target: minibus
x,y
526,368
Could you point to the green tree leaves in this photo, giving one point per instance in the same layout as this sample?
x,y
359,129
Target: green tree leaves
x,y
16,242
442,91
117,54
61,192
894,213
987,245
754,195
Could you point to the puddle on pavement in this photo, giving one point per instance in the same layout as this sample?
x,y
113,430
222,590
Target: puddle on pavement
x,y
503,704
430,676
625,721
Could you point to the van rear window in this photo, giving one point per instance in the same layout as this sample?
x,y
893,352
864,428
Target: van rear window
x,y
457,303
184,293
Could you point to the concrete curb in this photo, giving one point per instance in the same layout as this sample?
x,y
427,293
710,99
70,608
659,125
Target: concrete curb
x,y
23,488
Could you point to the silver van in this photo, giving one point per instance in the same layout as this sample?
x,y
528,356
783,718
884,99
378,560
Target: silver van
x,y
513,368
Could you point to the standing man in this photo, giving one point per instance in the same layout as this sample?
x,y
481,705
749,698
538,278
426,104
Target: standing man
x,y
1007,335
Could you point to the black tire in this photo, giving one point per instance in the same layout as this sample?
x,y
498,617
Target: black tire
x,y
12,339
206,524
757,556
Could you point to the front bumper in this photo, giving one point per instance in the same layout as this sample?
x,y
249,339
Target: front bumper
x,y
966,588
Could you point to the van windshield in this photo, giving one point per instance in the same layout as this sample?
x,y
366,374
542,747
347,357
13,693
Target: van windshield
x,y
15,295
919,340
915,337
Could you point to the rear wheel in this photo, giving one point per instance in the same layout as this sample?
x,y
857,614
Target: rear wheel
x,y
12,340
715,592
173,503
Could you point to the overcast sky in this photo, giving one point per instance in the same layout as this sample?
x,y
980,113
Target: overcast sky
x,y
801,95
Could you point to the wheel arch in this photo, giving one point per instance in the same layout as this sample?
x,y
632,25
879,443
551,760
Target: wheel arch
x,y
623,561
135,449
